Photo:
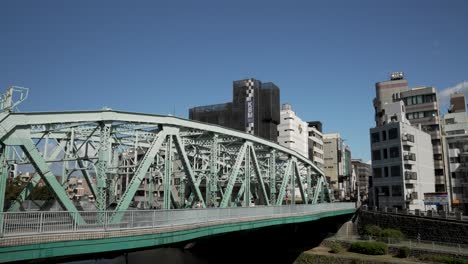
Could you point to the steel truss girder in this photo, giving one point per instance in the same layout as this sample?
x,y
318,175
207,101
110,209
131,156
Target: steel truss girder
x,y
212,171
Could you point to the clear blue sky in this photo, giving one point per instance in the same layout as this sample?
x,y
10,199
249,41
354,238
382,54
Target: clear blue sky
x,y
157,56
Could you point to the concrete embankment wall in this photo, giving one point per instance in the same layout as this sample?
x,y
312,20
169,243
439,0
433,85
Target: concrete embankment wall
x,y
428,229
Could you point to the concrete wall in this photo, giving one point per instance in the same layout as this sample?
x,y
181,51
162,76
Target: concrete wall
x,y
429,229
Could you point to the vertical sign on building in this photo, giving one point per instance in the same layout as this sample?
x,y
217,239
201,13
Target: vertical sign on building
x,y
249,108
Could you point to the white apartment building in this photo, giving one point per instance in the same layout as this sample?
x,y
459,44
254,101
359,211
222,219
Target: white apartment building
x,y
456,142
315,145
402,161
292,131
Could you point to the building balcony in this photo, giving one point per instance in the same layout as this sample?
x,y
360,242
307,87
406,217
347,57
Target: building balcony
x,y
434,134
438,164
408,140
409,158
411,175
318,150
437,149
412,196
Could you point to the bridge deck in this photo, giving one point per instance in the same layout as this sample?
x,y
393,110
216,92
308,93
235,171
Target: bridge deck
x,y
29,245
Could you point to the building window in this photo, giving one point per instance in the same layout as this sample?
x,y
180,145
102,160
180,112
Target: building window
x,y
458,190
393,133
386,172
450,121
385,155
437,156
377,172
384,135
454,159
396,190
375,137
395,171
383,191
394,152
376,155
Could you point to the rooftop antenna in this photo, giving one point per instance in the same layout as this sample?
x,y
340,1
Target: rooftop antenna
x,y
13,96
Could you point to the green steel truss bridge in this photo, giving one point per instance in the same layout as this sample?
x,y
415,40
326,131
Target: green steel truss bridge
x,y
174,168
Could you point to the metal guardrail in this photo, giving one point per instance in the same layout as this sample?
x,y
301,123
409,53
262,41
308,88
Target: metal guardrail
x,y
44,222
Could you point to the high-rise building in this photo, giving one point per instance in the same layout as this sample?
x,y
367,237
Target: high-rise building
x,y
457,103
337,168
255,109
363,172
421,107
315,143
292,131
455,127
402,160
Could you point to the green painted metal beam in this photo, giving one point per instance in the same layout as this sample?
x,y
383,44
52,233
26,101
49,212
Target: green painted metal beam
x,y
24,194
138,177
188,168
101,169
212,179
247,175
317,189
258,173
293,182
120,116
272,172
232,177
299,183
240,193
284,183
309,186
4,152
167,176
36,159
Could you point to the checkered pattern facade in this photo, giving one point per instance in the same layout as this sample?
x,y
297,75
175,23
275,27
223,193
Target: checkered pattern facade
x,y
250,97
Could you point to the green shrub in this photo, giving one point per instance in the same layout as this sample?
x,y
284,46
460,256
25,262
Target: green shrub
x,y
391,235
336,248
369,248
404,252
443,259
372,230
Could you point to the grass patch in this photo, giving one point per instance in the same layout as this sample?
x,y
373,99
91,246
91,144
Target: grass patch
x,y
336,248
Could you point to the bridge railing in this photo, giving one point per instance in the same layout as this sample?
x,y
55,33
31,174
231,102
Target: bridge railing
x,y
44,222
